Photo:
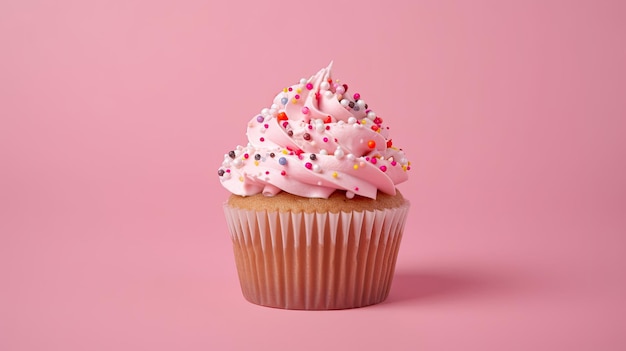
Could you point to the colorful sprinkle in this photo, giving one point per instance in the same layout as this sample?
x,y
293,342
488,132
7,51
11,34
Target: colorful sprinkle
x,y
356,96
355,167
389,143
309,86
284,101
306,136
220,172
305,110
371,144
262,139
335,175
383,168
282,161
313,157
231,154
325,139
282,173
282,116
257,157
246,156
374,160
308,165
260,119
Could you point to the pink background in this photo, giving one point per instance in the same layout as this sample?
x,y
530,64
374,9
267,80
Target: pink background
x,y
114,116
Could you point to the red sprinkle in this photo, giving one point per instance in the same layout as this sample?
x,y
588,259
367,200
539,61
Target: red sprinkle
x,y
383,168
282,116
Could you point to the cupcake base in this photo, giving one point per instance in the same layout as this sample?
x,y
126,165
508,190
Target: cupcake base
x,y
316,261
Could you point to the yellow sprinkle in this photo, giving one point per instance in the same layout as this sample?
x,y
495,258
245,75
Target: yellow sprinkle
x,y
335,174
241,179
256,163
285,90
356,167
298,90
295,101
285,152
364,121
404,167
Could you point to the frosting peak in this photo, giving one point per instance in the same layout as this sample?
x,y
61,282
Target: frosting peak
x,y
315,138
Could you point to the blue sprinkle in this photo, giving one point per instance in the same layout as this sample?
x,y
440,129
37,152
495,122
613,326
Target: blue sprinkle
x,y
284,101
282,161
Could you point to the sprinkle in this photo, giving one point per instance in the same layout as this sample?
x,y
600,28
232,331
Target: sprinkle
x,y
284,152
374,160
349,194
317,168
267,172
272,154
241,179
246,156
266,126
309,86
260,119
257,157
335,175
393,163
282,116
306,136
256,163
378,120
356,188
356,96
220,172
305,110
290,132
284,101
310,126
298,91
295,101
297,97
383,168
285,90
290,89
375,128
328,119
231,154
389,143
282,161
371,144
285,124
282,173
325,139
355,166
313,157
262,139
308,165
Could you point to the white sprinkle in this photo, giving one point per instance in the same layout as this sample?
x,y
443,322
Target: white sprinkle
x,y
317,168
371,115
361,103
325,85
350,157
344,102
323,152
349,194
303,81
351,120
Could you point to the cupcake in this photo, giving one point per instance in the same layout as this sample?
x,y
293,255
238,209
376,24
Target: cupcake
x,y
314,216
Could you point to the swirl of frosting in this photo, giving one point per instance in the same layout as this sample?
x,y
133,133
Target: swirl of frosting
x,y
313,140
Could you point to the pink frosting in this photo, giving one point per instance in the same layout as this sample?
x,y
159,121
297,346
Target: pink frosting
x,y
315,138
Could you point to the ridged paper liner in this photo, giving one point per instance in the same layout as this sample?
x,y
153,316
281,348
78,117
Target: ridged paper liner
x,y
316,261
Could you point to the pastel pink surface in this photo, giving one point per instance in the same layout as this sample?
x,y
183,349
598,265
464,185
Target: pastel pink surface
x,y
114,116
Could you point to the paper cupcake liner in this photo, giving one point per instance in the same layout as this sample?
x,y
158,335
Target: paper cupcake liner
x,y
316,261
